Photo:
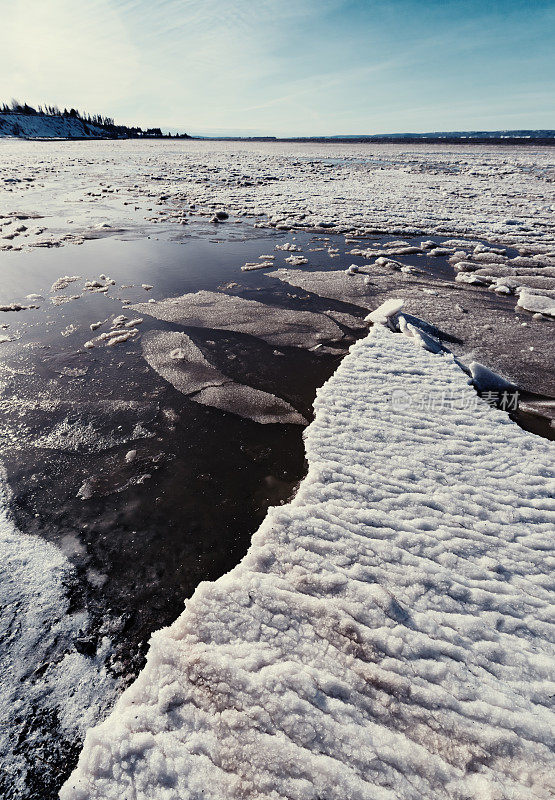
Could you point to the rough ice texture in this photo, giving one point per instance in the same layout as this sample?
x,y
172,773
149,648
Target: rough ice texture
x,y
388,635
179,361
277,326
501,193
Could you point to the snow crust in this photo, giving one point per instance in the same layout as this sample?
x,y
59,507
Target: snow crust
x,y
389,634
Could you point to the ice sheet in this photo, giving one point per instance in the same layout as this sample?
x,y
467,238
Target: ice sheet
x,y
277,326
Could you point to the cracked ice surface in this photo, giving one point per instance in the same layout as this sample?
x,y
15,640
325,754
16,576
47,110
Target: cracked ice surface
x,y
388,634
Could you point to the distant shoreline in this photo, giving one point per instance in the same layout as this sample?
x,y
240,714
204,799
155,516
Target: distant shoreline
x,y
509,140
544,141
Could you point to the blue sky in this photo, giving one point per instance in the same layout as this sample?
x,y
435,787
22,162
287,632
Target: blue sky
x,y
286,67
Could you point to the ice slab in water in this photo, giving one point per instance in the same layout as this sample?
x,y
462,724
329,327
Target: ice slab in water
x,y
278,326
179,361
536,302
335,284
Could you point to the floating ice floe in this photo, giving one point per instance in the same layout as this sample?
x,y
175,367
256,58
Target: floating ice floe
x,y
62,283
296,261
389,633
111,341
538,303
277,326
179,361
16,307
472,278
335,285
290,246
437,252
249,267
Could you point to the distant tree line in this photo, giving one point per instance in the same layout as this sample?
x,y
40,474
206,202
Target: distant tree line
x,y
106,123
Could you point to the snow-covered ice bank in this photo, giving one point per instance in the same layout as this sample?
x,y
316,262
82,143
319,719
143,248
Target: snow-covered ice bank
x,y
388,634
47,683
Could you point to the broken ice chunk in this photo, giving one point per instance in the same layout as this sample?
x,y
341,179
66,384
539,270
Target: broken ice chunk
x,y
383,313
178,360
538,303
485,379
245,401
277,326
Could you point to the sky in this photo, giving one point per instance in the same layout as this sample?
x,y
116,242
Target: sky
x,y
286,67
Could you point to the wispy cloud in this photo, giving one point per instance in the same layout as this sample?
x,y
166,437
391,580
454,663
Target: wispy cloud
x,y
281,66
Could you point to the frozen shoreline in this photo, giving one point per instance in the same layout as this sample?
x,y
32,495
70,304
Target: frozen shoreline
x,y
387,633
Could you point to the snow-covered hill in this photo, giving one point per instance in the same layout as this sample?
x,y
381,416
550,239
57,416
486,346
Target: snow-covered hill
x,y
43,126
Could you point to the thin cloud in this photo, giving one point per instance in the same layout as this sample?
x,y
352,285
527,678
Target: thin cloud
x,y
282,66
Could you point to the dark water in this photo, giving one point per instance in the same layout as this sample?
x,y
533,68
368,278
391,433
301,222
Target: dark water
x,y
185,508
